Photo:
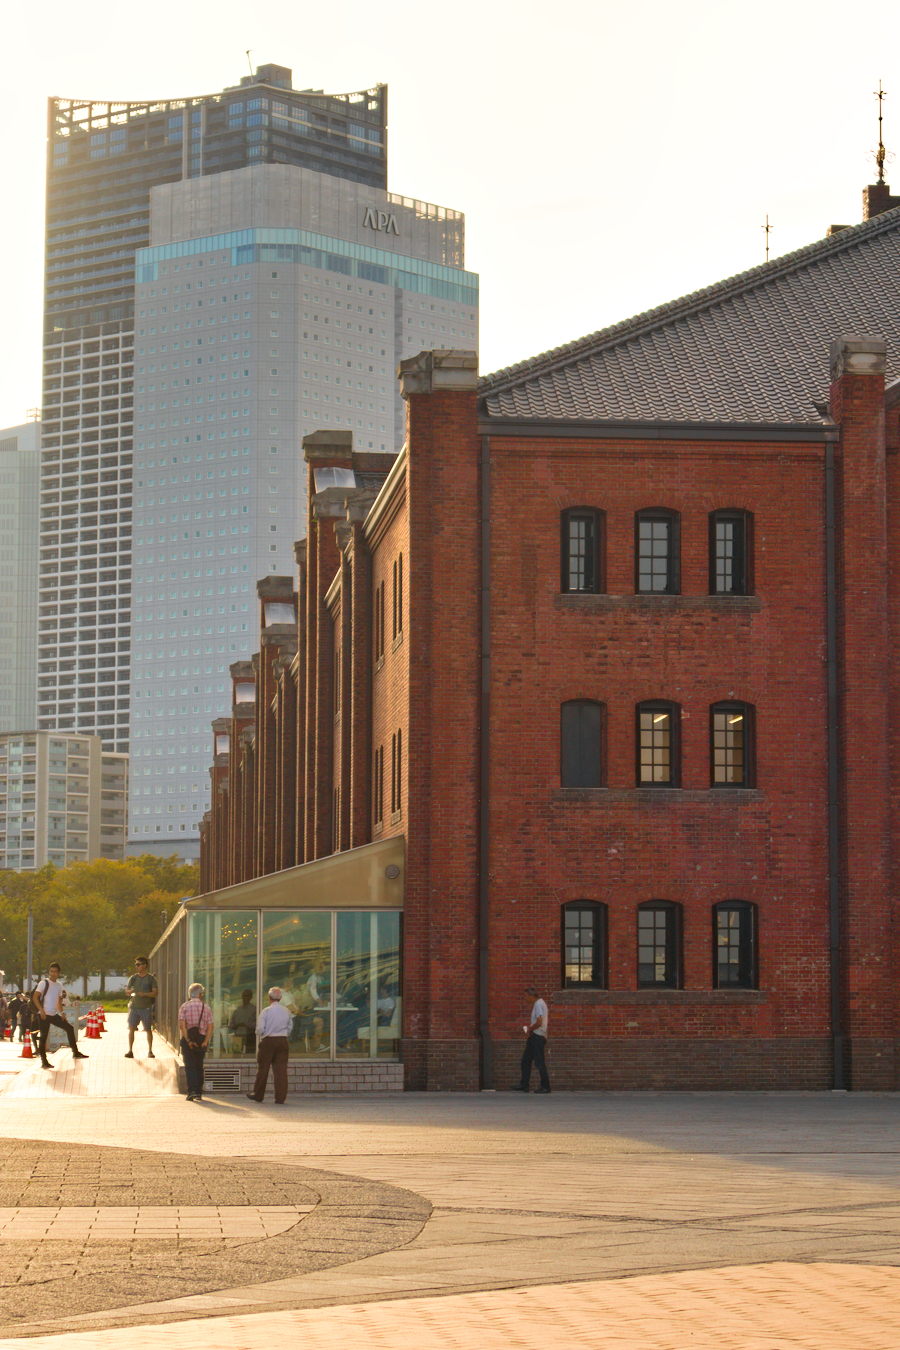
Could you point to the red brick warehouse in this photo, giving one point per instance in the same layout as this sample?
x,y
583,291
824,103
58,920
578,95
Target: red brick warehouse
x,y
609,645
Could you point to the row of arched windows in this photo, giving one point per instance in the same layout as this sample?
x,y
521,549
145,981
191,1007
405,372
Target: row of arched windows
x,y
582,749
659,940
657,551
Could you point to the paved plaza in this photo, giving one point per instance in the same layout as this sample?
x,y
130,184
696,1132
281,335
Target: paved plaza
x,y
658,1221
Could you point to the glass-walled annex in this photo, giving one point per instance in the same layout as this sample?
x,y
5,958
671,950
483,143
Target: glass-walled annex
x,y
338,963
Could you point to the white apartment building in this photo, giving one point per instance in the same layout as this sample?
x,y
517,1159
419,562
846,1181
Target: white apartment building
x,y
20,450
63,799
273,301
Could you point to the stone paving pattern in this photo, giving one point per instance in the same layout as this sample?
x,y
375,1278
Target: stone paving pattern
x,y
335,1219
630,1221
242,1222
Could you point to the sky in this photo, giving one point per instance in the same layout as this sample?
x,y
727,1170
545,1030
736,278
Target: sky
x,y
608,158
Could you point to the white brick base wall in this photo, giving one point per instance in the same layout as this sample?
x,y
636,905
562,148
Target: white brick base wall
x,y
225,1076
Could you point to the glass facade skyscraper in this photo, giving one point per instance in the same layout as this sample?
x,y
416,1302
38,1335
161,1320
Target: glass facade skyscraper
x,y
224,276
103,160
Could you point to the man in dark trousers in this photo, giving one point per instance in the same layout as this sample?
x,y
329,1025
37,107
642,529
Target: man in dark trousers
x,y
535,1045
49,997
18,1007
272,1032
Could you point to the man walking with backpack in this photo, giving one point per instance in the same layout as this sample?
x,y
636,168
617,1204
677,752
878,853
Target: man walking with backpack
x,y
48,998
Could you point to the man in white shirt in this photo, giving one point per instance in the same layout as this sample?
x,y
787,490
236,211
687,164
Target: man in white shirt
x,y
272,1031
535,1045
49,997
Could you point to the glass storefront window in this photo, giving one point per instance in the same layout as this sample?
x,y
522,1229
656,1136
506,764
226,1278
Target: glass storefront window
x,y
222,957
297,956
339,972
367,967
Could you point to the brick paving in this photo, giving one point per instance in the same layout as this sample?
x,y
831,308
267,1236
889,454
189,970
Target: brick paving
x,y
76,1222
105,1073
621,1221
775,1307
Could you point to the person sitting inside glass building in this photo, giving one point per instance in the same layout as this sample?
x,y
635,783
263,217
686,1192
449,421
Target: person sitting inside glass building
x,y
242,1022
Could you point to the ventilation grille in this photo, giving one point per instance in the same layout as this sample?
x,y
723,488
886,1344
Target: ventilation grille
x,y
222,1080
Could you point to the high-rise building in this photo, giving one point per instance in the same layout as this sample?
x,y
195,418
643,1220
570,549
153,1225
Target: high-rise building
x,y
272,300
103,159
256,180
19,468
63,799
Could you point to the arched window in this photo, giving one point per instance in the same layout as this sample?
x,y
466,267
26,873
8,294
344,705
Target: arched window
x,y
584,945
656,550
581,744
582,550
731,745
730,552
734,945
658,727
659,945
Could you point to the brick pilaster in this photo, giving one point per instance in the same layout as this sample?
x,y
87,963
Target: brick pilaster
x,y
857,402
360,686
443,588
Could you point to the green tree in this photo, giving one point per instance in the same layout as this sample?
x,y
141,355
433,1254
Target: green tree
x,y
91,916
144,922
169,874
19,892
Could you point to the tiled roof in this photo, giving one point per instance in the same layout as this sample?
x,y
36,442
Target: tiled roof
x,y
753,348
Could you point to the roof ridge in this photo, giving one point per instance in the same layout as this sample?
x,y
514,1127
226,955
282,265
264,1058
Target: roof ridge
x,y
694,301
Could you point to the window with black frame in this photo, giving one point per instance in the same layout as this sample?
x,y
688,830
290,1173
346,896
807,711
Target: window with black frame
x,y
582,550
659,945
730,540
656,544
735,945
581,744
658,744
731,745
584,944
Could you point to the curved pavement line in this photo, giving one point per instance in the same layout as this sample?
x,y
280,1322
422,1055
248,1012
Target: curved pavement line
x,y
105,1278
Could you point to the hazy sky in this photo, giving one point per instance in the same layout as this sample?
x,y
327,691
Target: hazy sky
x,y
608,157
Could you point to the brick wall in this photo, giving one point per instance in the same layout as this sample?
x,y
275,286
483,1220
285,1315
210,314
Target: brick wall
x,y
621,845
695,845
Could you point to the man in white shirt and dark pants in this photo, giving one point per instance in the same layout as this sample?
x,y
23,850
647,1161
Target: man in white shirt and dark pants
x,y
535,1045
272,1031
49,998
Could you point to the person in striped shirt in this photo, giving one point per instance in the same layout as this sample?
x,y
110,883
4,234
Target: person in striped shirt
x,y
195,1024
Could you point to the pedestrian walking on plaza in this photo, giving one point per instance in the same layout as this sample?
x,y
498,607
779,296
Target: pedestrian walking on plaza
x,y
27,1016
49,998
195,1024
272,1032
535,1045
18,1006
142,1009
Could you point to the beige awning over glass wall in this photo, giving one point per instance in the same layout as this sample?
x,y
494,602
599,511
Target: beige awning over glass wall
x,y
327,932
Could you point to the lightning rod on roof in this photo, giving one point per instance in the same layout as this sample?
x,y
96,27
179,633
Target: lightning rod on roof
x,y
768,230
249,62
881,95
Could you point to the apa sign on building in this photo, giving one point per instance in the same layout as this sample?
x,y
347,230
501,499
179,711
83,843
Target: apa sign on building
x,y
385,221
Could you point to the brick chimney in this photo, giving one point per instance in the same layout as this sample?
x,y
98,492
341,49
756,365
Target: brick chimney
x,y
876,199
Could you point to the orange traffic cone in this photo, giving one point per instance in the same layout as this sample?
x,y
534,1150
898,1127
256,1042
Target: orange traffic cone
x,y
26,1047
93,1028
101,1015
